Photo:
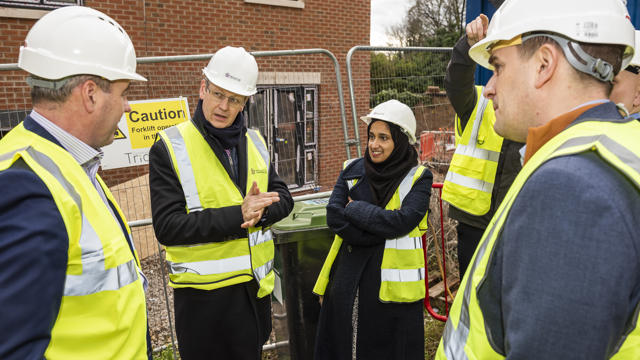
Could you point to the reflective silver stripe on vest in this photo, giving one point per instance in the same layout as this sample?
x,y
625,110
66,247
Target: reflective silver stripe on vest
x,y
262,272
624,154
454,340
471,150
471,183
260,236
406,184
95,278
187,179
404,243
352,182
482,105
211,267
478,153
8,156
255,138
402,275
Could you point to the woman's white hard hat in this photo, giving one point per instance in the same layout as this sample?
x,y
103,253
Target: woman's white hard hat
x,y
395,112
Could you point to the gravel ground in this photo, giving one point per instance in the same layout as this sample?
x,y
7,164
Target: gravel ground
x,y
156,302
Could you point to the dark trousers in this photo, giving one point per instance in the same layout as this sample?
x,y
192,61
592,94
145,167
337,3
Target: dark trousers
x,y
225,323
468,240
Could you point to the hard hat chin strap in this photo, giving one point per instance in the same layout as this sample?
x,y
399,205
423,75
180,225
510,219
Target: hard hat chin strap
x,y
579,59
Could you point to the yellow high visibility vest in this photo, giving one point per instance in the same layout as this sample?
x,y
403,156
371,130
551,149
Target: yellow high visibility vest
x,y
469,182
402,270
464,335
206,184
102,313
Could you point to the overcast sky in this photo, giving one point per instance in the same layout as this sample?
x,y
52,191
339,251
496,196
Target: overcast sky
x,y
385,13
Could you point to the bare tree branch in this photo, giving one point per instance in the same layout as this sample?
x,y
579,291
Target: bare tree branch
x,y
428,19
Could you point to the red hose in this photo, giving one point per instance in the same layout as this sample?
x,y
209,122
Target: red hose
x,y
427,302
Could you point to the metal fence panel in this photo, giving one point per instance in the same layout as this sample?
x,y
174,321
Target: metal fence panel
x,y
412,75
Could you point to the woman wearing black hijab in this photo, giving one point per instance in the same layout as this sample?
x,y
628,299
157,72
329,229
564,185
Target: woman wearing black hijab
x,y
373,278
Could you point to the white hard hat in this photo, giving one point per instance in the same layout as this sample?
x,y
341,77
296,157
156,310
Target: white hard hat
x,y
75,40
397,113
233,69
636,55
588,21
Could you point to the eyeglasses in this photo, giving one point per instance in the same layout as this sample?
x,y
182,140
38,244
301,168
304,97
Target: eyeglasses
x,y
634,69
220,96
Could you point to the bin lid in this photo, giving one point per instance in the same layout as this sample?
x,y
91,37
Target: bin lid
x,y
306,215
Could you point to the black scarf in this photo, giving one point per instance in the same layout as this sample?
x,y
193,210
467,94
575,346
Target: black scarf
x,y
228,137
385,177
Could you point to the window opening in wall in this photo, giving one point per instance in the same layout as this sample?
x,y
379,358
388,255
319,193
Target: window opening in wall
x,y
287,118
39,4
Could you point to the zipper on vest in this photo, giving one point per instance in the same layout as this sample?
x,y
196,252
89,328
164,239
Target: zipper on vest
x,y
232,166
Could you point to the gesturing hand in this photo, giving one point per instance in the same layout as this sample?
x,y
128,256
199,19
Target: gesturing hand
x,y
477,29
254,204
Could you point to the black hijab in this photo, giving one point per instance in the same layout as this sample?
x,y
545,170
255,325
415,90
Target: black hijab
x,y
385,177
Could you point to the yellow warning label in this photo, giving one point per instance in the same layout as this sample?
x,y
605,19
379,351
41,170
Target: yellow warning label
x,y
119,134
146,118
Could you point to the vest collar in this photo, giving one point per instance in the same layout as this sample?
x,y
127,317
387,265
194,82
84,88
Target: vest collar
x,y
538,136
355,170
36,128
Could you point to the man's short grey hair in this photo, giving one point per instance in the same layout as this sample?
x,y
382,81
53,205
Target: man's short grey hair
x,y
43,94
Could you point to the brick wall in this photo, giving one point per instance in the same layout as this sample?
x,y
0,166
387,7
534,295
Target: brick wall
x,y
171,27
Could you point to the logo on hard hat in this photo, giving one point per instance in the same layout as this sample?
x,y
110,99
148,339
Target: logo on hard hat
x,y
231,77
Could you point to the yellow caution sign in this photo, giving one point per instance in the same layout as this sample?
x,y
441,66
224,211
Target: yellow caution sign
x,y
146,118
137,130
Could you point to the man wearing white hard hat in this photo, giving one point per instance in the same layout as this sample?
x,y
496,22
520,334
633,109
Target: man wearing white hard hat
x,y
70,278
372,280
556,274
214,194
626,85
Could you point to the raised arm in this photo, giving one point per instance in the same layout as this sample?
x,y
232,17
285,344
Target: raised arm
x,y
459,80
